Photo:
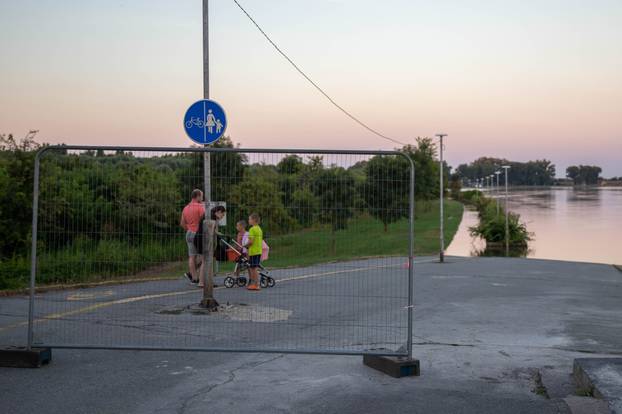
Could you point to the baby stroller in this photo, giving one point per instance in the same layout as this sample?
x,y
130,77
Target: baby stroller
x,y
234,254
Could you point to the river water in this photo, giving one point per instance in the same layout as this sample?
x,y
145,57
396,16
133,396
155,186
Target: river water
x,y
577,224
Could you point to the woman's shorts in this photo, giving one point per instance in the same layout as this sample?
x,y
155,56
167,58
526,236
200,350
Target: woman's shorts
x,y
192,249
253,261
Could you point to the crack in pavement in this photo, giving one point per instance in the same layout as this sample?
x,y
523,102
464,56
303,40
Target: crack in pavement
x,y
231,376
493,345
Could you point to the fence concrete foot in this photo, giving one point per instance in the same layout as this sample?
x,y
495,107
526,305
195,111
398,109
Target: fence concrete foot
x,y
209,304
397,367
20,357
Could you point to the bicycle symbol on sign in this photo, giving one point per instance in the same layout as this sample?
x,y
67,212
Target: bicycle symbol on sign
x,y
195,121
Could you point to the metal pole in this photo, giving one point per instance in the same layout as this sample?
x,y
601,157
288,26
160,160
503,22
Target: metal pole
x,y
442,236
497,191
206,155
208,271
411,258
33,251
507,226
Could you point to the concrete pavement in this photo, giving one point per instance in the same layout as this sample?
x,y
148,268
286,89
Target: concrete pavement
x,y
493,335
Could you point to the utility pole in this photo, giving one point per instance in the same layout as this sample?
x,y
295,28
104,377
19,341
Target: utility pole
x,y
497,191
206,155
442,235
507,226
209,225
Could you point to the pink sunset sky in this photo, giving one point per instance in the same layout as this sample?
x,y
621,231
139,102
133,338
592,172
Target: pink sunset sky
x,y
515,79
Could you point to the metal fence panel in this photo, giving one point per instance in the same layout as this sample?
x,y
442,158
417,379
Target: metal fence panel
x,y
339,225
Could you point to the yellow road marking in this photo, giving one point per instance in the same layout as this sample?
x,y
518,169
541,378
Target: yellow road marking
x,y
95,306
86,296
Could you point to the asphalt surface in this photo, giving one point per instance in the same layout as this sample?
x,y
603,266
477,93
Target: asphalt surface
x,y
486,330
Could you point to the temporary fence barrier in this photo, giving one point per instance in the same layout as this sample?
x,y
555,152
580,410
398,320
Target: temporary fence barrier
x,y
339,226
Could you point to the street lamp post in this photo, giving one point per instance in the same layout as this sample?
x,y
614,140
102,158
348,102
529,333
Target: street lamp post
x,y
442,236
507,225
497,191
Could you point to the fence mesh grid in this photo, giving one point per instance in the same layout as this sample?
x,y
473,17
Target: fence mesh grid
x,y
337,225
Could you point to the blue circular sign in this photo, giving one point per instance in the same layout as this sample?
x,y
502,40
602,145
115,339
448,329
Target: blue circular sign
x,y
205,121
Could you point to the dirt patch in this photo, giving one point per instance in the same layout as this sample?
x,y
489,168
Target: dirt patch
x,y
236,312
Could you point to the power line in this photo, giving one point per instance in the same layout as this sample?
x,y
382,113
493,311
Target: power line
x,y
355,119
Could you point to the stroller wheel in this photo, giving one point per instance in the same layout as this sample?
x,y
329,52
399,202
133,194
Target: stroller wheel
x,y
229,282
271,282
263,282
241,281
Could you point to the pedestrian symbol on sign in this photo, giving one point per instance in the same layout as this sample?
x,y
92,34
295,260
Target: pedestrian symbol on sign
x,y
205,122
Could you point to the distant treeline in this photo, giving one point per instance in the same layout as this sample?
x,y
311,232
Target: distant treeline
x,y
584,174
538,172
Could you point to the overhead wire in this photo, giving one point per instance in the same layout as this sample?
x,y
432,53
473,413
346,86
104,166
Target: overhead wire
x,y
315,85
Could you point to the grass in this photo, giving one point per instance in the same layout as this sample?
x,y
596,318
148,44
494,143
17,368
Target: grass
x,y
87,261
366,237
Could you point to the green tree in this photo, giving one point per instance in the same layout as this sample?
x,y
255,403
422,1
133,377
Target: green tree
x,y
290,164
455,186
304,207
423,155
334,188
16,176
573,173
584,174
538,172
387,188
259,193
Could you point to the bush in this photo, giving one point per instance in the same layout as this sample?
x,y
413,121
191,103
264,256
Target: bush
x,y
491,225
88,260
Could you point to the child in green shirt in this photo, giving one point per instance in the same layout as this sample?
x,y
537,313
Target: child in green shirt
x,y
254,246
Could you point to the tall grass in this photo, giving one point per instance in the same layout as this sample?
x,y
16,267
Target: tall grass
x,y
87,260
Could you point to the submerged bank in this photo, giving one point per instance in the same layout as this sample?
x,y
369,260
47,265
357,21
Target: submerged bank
x,y
576,224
